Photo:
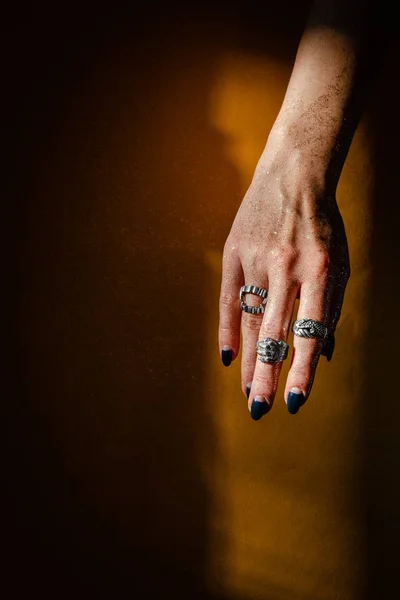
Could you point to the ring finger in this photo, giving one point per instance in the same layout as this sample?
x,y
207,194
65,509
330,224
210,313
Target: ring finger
x,y
314,309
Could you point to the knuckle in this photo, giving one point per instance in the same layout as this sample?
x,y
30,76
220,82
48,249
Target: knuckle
x,y
255,260
285,259
264,384
321,265
301,372
225,332
251,322
227,299
305,364
270,330
229,248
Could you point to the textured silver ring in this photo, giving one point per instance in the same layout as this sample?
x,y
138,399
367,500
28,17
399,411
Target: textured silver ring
x,y
309,328
272,351
257,291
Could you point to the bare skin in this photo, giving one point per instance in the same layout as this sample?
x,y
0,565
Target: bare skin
x,y
288,235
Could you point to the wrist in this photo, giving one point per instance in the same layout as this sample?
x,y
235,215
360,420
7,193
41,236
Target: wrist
x,y
313,133
315,143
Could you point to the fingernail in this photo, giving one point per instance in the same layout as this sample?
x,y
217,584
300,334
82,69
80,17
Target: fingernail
x,y
259,408
248,389
329,347
226,356
295,400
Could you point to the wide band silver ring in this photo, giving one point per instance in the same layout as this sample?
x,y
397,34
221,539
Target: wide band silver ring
x,y
309,328
272,351
257,291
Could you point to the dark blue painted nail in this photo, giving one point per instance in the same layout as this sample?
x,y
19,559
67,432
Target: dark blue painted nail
x,y
226,356
295,401
329,346
259,408
248,389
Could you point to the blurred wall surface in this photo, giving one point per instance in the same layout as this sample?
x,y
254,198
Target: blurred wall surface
x,y
134,468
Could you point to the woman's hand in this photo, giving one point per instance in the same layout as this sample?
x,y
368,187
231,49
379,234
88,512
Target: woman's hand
x,y
287,237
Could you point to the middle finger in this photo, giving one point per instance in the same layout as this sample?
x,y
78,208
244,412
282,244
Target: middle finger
x,y
275,324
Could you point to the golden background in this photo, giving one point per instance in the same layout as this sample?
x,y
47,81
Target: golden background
x,y
135,468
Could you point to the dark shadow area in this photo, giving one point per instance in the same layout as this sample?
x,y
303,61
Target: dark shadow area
x,y
381,481
119,184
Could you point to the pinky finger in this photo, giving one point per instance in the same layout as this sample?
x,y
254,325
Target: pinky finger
x,y
334,318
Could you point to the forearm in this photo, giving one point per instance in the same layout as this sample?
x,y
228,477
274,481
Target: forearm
x,y
321,107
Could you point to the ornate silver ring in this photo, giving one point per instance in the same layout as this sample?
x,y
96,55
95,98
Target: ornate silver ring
x,y
272,351
257,291
309,328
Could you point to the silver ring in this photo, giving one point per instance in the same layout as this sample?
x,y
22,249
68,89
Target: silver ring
x,y
272,351
257,291
308,328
